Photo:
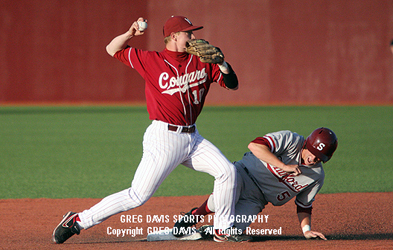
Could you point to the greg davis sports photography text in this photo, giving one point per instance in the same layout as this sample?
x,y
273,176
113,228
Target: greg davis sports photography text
x,y
133,225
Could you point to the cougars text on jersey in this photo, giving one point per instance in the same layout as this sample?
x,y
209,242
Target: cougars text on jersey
x,y
181,83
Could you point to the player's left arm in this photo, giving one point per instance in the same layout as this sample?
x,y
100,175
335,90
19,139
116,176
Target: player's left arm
x,y
304,202
208,53
305,223
229,75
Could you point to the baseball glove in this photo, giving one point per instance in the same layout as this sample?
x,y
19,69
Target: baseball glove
x,y
205,51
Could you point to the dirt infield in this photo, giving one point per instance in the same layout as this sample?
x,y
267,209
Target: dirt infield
x,y
350,221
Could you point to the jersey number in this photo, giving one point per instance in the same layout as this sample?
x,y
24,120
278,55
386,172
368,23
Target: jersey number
x,y
283,196
195,94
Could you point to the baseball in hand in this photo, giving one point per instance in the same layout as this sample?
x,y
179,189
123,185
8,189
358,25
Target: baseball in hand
x,y
142,25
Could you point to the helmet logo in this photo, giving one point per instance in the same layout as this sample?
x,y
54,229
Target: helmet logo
x,y
321,146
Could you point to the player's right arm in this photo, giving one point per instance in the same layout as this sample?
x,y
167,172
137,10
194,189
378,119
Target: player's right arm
x,y
263,153
120,42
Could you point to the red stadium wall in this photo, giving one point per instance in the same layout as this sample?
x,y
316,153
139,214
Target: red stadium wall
x,y
283,51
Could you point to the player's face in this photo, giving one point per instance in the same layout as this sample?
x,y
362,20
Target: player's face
x,y
308,159
183,37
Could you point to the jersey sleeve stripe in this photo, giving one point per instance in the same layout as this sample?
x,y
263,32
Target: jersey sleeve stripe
x,y
263,141
271,142
218,80
129,58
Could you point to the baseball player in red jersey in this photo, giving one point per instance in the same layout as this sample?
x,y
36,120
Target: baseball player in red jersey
x,y
281,166
176,85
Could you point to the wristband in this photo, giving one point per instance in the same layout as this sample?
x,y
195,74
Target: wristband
x,y
306,228
223,66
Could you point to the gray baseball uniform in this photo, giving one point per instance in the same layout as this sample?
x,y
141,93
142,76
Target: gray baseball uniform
x,y
259,183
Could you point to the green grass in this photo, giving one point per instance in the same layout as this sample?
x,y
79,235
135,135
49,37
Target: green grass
x,y
64,152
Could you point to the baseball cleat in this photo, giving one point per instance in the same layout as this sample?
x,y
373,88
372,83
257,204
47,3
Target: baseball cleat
x,y
183,226
66,228
231,234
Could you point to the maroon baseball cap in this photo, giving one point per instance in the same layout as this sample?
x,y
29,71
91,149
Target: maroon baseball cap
x,y
177,24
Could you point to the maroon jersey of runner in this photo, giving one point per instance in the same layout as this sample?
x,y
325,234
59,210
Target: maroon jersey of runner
x,y
176,83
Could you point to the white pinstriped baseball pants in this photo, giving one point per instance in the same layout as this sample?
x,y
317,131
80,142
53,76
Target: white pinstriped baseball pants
x,y
163,151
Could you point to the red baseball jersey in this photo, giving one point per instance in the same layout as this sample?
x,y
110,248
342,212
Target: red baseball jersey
x,y
176,83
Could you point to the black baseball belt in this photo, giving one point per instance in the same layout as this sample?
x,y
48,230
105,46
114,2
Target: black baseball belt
x,y
184,129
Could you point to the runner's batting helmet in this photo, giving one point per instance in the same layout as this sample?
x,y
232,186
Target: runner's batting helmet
x,y
322,143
